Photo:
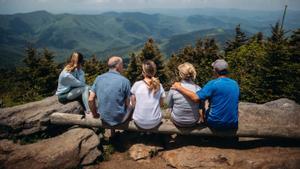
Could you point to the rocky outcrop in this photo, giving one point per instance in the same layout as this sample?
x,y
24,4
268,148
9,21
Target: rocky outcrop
x,y
281,113
192,157
75,147
142,152
27,119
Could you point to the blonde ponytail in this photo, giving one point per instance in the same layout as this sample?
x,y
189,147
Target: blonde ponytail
x,y
149,70
154,84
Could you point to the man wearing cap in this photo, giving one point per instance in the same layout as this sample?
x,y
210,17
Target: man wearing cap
x,y
112,91
223,96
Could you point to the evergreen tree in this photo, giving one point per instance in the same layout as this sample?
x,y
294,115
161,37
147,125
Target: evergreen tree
x,y
239,40
201,56
279,72
134,69
92,68
246,65
294,48
150,51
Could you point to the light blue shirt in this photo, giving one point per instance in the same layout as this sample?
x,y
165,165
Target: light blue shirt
x,y
223,94
69,80
112,89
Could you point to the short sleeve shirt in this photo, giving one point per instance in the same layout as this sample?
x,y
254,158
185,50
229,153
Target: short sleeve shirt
x,y
223,94
112,89
147,113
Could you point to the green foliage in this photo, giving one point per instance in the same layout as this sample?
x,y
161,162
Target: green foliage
x,y
239,40
37,79
150,51
246,65
92,68
201,56
281,73
134,69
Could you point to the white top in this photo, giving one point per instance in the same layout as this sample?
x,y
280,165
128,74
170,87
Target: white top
x,y
147,113
69,80
184,110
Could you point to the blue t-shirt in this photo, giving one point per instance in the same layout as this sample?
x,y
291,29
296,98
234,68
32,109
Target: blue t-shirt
x,y
223,94
112,89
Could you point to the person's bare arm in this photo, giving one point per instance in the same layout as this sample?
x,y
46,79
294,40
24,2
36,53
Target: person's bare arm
x,y
133,100
161,101
193,96
92,104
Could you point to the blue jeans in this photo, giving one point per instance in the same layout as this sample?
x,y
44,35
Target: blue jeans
x,y
75,93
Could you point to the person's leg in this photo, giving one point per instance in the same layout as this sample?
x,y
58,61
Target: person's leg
x,y
75,93
85,98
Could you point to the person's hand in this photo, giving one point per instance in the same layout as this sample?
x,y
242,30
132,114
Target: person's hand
x,y
176,85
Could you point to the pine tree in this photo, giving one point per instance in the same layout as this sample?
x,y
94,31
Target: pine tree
x,y
134,69
47,74
246,65
278,73
92,68
239,40
294,48
150,51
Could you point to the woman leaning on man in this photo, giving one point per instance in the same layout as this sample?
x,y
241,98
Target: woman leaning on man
x,y
185,112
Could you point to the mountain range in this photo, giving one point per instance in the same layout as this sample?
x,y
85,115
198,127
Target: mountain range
x,y
114,33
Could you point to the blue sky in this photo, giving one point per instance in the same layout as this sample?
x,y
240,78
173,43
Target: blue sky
x,y
92,6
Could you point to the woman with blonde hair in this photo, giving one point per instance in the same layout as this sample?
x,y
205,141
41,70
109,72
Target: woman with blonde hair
x,y
71,82
147,96
185,112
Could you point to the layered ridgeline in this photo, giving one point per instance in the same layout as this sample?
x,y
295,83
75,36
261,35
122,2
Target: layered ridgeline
x,y
119,33
266,65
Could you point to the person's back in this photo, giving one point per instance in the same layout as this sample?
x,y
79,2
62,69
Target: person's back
x,y
147,96
184,112
147,113
112,91
223,97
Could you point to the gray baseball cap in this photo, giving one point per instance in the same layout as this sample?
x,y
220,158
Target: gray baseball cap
x,y
220,65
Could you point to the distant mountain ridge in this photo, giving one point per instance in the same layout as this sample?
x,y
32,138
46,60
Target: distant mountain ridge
x,y
106,34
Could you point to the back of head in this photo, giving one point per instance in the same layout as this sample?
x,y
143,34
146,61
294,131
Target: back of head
x,y
187,71
74,60
220,66
149,71
114,62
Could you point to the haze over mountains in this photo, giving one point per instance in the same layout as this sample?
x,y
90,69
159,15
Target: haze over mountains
x,y
113,33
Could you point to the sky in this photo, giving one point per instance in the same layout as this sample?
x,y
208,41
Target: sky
x,y
94,6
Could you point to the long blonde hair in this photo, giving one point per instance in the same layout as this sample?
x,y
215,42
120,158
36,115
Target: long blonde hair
x,y
187,71
149,70
73,61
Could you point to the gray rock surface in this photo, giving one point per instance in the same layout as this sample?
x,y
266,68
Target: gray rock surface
x,y
75,147
27,119
193,157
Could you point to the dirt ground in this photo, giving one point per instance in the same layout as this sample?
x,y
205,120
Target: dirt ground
x,y
201,152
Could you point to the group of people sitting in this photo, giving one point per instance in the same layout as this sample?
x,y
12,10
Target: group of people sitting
x,y
115,101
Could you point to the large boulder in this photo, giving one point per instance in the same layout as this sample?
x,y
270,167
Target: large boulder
x,y
75,147
192,157
282,113
27,119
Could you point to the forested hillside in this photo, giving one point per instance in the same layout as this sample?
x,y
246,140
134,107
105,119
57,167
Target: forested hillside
x,y
121,33
266,65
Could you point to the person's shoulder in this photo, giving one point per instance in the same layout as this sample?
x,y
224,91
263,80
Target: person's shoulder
x,y
138,83
233,81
